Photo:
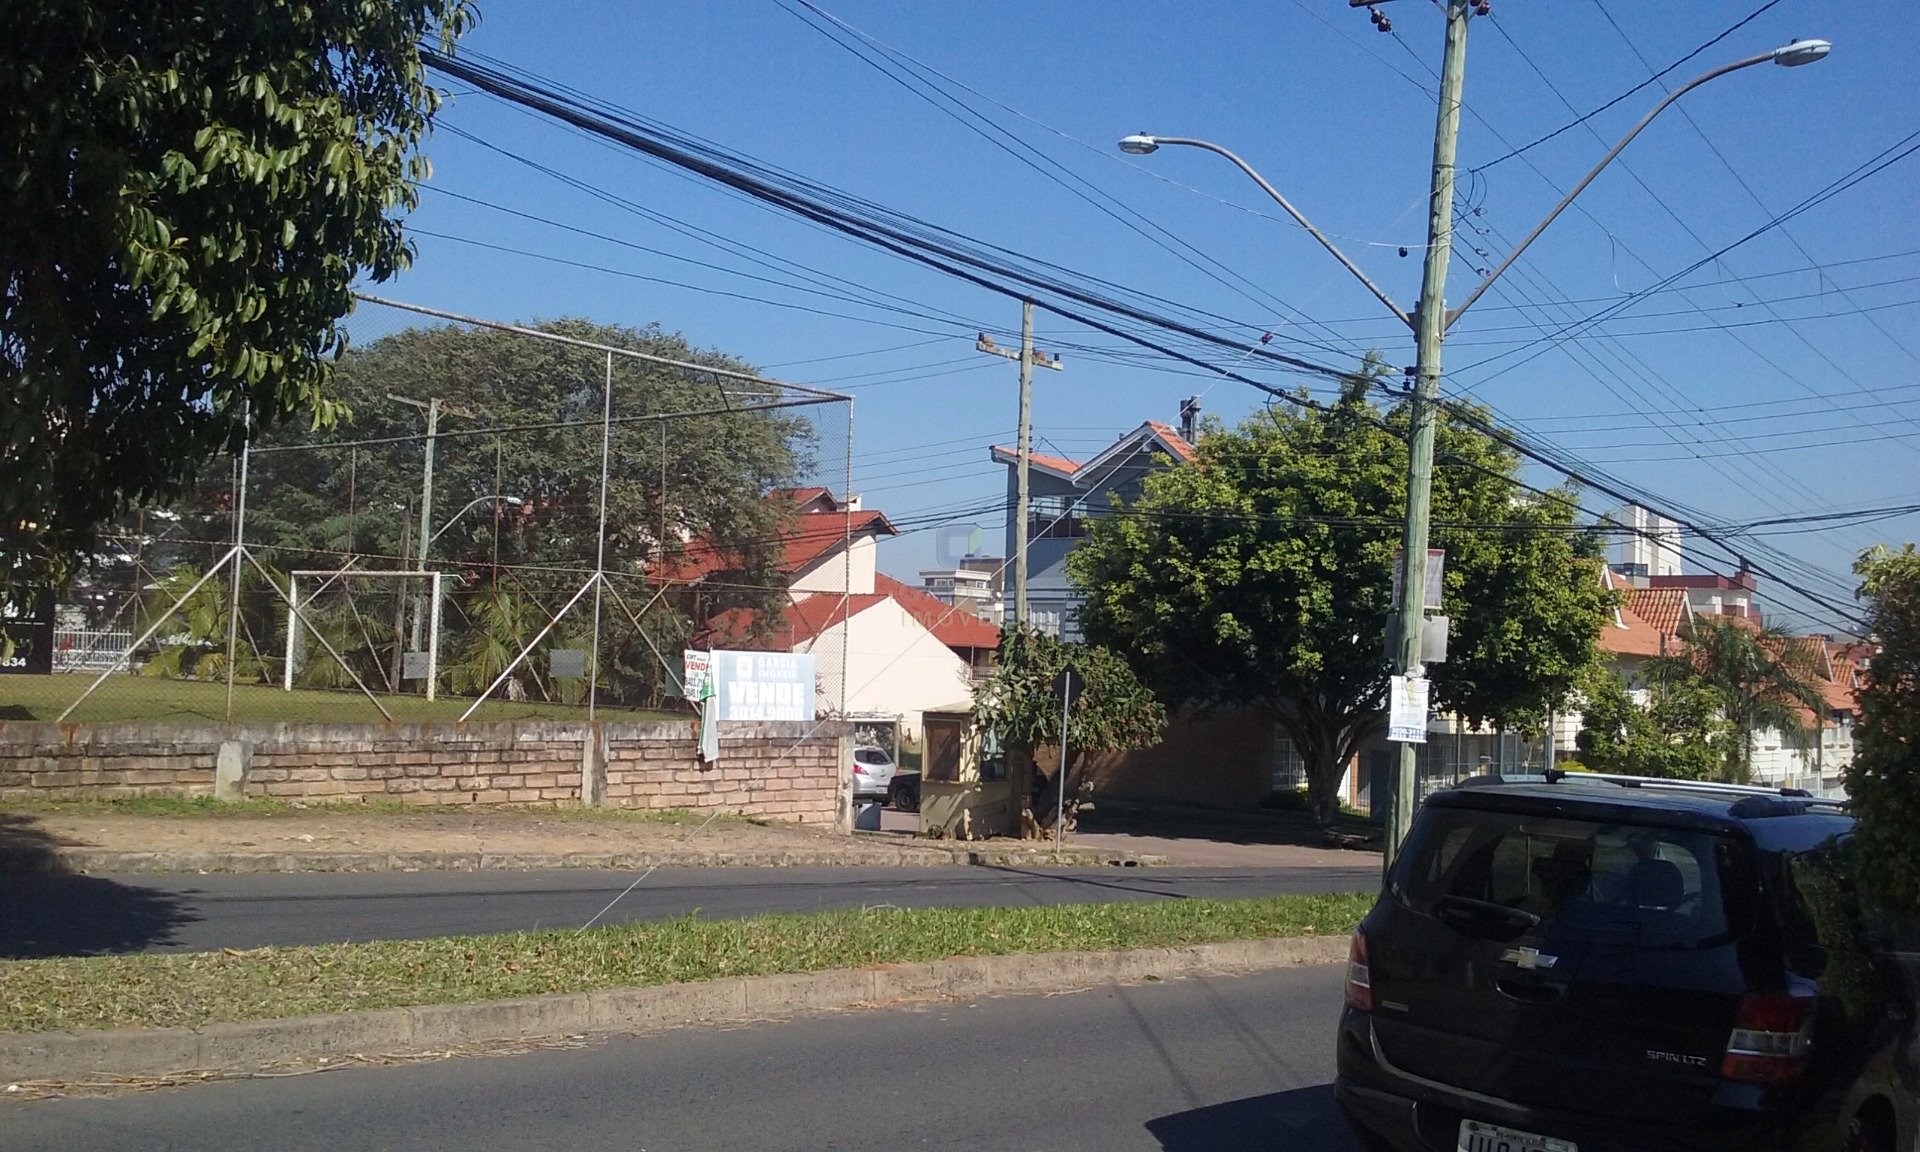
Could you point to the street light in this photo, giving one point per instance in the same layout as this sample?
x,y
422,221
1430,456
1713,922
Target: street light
x,y
509,501
1431,320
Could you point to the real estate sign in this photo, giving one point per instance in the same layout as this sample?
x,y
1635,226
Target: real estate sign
x,y
26,636
763,685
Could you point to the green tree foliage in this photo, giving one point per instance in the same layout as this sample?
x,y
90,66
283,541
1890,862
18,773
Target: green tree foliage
x,y
1021,705
322,506
1678,733
1884,779
188,191
1762,677
1260,575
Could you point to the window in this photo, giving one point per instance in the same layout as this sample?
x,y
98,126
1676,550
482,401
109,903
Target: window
x,y
1605,883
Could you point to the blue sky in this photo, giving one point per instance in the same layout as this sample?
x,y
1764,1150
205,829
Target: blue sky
x,y
1779,380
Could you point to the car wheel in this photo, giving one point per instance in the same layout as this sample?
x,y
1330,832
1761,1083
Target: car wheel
x,y
905,799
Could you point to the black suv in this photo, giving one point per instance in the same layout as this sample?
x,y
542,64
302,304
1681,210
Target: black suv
x,y
1593,963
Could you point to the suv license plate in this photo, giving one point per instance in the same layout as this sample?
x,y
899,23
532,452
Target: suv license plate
x,y
1476,1136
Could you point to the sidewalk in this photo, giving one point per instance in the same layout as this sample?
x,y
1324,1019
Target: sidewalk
x,y
335,840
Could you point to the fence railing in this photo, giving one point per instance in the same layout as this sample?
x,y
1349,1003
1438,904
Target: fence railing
x,y
79,650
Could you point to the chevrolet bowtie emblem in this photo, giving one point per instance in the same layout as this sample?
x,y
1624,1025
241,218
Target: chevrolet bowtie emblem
x,y
1528,959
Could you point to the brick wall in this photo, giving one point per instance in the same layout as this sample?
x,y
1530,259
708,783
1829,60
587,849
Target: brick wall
x,y
1221,759
784,771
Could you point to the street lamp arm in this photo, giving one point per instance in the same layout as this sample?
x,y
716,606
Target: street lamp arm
x,y
515,501
1479,289
1404,316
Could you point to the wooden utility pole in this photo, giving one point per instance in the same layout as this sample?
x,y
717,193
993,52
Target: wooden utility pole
x,y
1027,357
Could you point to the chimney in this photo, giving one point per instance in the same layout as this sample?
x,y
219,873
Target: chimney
x,y
1189,418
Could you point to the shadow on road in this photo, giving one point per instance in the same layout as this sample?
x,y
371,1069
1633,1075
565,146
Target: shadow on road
x,y
1298,1118
46,912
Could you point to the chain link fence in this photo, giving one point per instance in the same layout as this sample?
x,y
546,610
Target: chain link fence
x,y
505,522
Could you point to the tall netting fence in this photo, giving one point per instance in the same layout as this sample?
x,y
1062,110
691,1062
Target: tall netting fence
x,y
503,523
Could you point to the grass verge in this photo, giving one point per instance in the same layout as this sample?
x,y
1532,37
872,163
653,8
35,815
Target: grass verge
x,y
206,807
127,698
268,983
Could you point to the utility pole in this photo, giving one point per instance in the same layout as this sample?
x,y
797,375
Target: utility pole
x,y
432,407
1028,356
1430,327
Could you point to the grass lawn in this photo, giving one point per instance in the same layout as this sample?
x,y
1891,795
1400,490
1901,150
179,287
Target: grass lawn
x,y
267,983
126,697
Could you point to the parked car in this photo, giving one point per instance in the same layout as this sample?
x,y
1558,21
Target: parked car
x,y
873,771
904,793
1593,963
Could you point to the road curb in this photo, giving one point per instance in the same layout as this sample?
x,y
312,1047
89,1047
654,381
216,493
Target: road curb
x,y
103,860
256,1045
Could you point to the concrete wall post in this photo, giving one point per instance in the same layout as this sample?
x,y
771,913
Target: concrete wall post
x,y
593,767
230,768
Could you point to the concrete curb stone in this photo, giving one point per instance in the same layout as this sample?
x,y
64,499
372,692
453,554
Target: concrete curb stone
x,y
103,860
254,1045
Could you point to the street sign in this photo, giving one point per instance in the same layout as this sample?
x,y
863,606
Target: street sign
x,y
1068,683
1436,569
1407,710
567,663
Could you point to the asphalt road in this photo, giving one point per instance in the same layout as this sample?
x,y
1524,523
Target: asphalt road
x,y
54,915
1219,1065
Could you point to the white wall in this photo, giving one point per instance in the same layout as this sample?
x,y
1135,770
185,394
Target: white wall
x,y
830,573
895,667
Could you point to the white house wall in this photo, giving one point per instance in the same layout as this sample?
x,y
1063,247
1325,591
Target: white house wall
x,y
895,667
829,575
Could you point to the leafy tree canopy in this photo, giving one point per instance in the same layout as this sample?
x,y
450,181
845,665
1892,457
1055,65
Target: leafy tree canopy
x,y
191,189
1678,733
1761,677
1021,704
1260,575
351,492
1884,778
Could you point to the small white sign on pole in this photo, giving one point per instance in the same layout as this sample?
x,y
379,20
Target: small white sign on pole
x,y
1436,575
696,665
1407,710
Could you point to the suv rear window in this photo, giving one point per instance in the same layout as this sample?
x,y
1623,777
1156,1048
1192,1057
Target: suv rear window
x,y
1613,883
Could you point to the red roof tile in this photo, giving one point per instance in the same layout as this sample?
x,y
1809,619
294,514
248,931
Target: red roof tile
x,y
1631,637
1176,443
799,624
1661,608
1005,455
807,538
952,626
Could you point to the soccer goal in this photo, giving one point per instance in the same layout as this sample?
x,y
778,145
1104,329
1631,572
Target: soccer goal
x,y
381,627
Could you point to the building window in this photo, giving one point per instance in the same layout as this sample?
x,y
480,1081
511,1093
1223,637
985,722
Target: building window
x,y
1055,518
1289,768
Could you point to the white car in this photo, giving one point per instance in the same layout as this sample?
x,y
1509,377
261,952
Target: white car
x,y
873,771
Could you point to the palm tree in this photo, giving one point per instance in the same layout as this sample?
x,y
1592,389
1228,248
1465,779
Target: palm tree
x,y
1763,677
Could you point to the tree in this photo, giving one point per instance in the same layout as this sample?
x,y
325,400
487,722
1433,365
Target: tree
x,y
1883,781
191,190
1260,575
1762,677
1679,733
1022,706
314,505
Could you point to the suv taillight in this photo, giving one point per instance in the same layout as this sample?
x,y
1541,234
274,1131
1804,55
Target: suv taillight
x,y
1359,975
1772,1035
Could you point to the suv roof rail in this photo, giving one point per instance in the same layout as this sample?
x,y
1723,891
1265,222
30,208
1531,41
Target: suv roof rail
x,y
1710,787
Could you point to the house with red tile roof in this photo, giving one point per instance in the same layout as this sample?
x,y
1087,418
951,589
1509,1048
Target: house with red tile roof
x,y
883,649
1650,622
1064,495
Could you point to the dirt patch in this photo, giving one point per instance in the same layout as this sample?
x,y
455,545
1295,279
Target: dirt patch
x,y
501,833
